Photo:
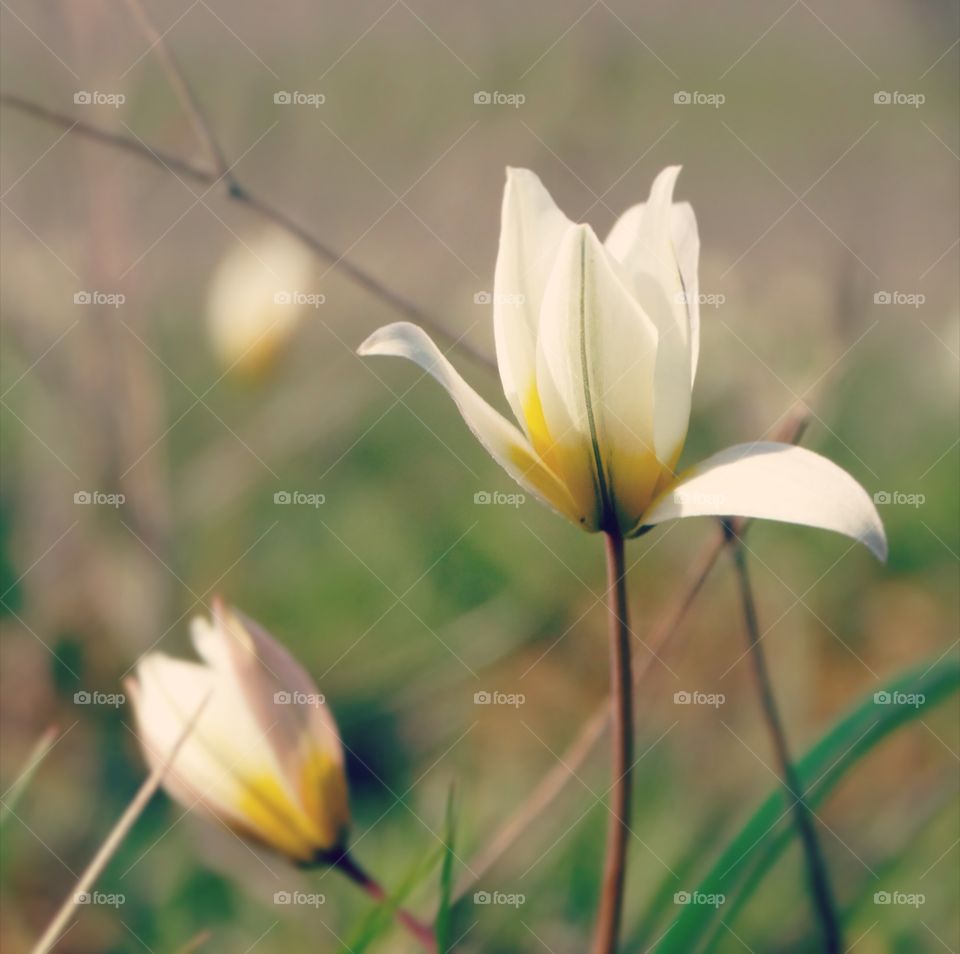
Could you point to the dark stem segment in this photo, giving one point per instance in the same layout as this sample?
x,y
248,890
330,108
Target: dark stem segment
x,y
818,877
345,864
621,699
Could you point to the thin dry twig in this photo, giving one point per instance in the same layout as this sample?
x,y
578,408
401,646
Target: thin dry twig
x,y
189,170
191,106
106,851
818,877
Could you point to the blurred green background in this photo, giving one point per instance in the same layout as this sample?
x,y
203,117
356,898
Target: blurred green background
x,y
401,595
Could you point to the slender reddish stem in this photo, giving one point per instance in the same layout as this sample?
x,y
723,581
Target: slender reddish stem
x,y
423,933
621,700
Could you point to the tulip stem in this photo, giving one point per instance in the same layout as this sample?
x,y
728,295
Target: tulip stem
x,y
621,701
818,877
421,932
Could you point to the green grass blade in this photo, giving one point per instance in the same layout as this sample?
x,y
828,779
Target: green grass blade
x,y
765,836
380,918
446,882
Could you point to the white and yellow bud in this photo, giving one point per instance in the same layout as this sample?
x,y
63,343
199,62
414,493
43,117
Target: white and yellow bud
x,y
258,296
597,345
264,755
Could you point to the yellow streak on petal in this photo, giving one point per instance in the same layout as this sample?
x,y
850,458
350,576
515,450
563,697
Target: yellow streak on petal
x,y
569,460
636,478
266,810
323,790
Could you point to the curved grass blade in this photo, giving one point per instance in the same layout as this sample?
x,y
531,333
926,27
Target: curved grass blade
x,y
381,916
444,918
762,841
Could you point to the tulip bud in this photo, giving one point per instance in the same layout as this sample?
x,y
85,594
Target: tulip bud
x,y
256,300
264,756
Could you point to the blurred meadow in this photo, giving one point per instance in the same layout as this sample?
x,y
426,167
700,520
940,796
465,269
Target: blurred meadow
x,y
828,218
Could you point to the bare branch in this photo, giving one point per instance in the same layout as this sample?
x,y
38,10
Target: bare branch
x,y
188,101
185,168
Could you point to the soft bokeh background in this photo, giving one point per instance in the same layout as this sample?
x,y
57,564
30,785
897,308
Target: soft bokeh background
x,y
400,594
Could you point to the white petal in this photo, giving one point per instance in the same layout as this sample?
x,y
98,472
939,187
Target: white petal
x,y
638,240
531,227
264,671
774,482
597,352
503,440
168,693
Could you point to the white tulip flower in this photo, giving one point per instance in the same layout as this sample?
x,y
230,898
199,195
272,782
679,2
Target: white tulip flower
x,y
597,346
257,298
264,756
